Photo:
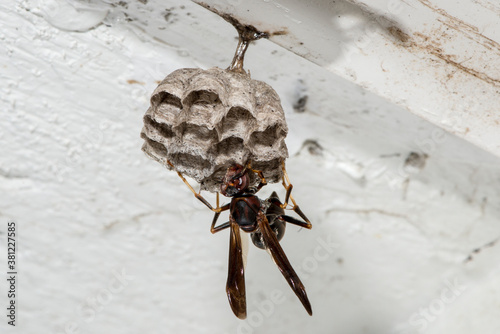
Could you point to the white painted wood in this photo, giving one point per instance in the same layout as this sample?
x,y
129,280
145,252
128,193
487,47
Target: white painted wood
x,y
439,59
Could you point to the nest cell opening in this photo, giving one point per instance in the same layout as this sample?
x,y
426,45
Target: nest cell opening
x,y
264,140
237,123
233,149
202,105
166,107
167,99
197,135
155,150
191,164
160,129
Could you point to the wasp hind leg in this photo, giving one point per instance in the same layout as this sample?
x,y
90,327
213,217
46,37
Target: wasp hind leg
x,y
288,197
295,221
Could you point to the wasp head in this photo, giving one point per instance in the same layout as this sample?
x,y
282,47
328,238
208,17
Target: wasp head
x,y
236,181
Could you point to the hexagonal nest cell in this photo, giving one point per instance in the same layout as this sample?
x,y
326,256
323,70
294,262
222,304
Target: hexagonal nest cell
x,y
203,121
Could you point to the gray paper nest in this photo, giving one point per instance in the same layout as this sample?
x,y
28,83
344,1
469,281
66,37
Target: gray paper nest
x,y
203,121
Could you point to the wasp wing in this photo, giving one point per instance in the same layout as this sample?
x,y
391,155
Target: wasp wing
x,y
278,255
244,247
235,286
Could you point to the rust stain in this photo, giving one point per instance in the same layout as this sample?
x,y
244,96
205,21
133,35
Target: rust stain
x,y
442,12
281,33
463,27
488,5
399,34
132,82
449,59
434,45
483,40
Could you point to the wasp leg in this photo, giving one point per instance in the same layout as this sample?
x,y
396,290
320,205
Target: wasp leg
x,y
260,174
288,186
215,229
297,222
197,195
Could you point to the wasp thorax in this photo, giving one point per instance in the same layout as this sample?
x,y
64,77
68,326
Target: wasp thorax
x,y
204,121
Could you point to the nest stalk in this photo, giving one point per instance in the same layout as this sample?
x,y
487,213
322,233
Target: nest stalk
x,y
247,34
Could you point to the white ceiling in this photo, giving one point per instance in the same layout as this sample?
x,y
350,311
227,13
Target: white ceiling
x,y
110,241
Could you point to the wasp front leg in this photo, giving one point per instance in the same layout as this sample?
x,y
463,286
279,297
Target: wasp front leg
x,y
260,174
197,194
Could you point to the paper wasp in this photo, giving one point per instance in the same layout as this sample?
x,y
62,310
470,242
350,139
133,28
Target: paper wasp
x,y
264,220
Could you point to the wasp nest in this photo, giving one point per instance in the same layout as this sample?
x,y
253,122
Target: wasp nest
x,y
203,121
